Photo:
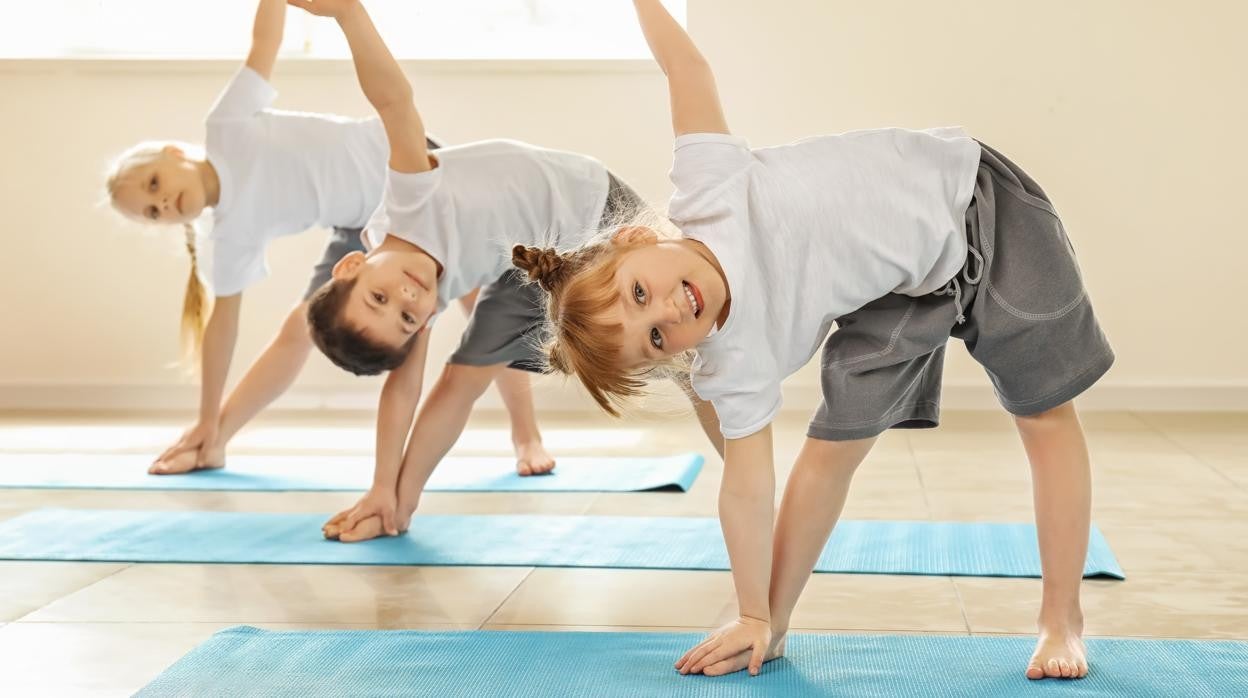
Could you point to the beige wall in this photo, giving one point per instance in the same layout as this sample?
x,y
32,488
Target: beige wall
x,y
1131,114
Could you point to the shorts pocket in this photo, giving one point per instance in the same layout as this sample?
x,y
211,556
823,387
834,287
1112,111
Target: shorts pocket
x,y
1033,274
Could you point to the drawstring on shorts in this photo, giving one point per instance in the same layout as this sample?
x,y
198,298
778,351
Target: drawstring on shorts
x,y
954,288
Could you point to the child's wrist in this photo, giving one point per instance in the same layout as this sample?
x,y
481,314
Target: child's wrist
x,y
382,489
350,10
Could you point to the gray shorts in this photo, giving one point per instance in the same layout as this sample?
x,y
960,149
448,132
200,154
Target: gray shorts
x,y
506,324
1027,320
343,241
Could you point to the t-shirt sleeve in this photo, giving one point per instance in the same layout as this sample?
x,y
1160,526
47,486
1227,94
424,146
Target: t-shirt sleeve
x,y
410,210
246,95
742,413
236,267
740,383
703,166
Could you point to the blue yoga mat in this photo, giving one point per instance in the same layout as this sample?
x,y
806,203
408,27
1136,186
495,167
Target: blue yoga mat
x,y
346,473
881,547
250,661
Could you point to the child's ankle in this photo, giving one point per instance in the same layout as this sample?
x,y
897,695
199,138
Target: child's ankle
x,y
1061,618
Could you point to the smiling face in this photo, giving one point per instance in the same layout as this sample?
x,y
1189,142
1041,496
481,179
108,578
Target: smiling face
x,y
164,187
670,296
393,295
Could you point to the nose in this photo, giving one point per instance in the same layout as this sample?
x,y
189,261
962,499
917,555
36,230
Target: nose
x,y
670,311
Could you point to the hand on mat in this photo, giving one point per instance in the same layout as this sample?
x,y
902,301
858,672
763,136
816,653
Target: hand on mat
x,y
196,449
743,635
324,8
379,504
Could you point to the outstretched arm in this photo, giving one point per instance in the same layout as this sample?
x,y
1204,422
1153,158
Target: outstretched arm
x,y
266,36
382,80
746,513
690,82
395,413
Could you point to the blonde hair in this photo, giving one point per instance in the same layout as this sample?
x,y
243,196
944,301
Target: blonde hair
x,y
581,289
197,303
196,306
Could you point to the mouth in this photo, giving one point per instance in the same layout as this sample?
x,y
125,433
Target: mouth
x,y
178,204
695,298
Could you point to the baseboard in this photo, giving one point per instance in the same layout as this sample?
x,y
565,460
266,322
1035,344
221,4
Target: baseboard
x,y
550,395
185,398
1100,398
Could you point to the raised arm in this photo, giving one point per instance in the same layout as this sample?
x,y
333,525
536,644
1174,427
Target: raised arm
x,y
382,80
266,36
695,100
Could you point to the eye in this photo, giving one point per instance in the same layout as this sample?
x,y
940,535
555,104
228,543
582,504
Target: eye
x,y
639,294
152,186
656,339
379,297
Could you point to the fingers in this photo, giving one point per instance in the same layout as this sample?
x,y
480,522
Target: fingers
x,y
367,529
356,515
719,653
179,447
332,527
387,522
756,659
684,659
694,665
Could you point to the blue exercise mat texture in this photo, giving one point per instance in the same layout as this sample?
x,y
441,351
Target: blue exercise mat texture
x,y
637,542
347,474
249,661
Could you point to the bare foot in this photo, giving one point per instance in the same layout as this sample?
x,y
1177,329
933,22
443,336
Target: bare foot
x,y
532,459
185,462
742,661
1060,654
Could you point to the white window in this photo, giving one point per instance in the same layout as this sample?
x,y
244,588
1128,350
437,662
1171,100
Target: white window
x,y
414,29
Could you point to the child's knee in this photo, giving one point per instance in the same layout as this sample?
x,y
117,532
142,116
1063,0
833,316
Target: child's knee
x,y
1063,417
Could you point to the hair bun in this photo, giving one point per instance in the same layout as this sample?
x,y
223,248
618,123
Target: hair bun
x,y
543,265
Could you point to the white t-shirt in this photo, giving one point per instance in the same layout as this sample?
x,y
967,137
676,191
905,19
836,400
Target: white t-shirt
x,y
483,198
807,233
281,173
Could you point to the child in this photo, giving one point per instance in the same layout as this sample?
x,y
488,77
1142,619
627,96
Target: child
x,y
903,238
266,174
445,225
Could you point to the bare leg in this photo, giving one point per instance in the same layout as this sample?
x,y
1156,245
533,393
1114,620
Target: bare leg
x,y
272,374
1062,489
531,456
813,499
513,387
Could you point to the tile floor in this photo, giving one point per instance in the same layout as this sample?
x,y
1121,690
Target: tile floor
x,y
1171,495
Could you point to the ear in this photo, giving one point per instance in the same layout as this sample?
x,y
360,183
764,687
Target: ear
x,y
349,266
634,235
